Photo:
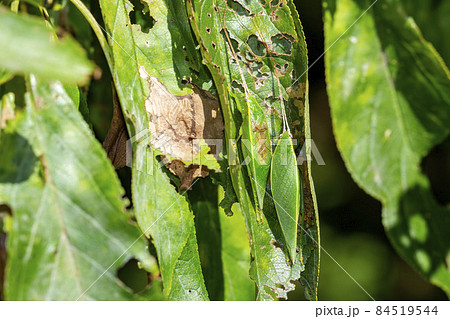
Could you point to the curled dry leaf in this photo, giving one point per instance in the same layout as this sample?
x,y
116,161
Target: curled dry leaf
x,y
180,125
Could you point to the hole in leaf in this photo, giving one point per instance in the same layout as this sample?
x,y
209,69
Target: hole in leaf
x,y
238,8
282,68
274,3
227,38
270,291
282,43
281,286
249,56
141,16
293,74
257,47
185,81
276,244
237,86
133,277
256,68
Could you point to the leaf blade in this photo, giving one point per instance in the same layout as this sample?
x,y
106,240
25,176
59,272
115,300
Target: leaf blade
x,y
285,188
27,47
69,199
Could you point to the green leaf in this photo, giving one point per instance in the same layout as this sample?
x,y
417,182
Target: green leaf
x,y
29,46
186,284
204,199
223,245
390,101
235,255
69,234
285,184
165,215
5,76
161,211
433,19
256,148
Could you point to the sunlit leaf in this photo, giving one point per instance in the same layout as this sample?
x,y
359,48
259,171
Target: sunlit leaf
x,y
285,183
69,232
161,211
29,46
390,100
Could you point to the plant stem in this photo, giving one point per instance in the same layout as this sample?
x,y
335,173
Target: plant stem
x,y
97,30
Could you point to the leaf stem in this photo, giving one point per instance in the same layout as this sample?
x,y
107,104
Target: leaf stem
x,y
97,30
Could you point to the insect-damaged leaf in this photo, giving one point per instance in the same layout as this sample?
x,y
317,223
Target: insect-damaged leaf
x,y
285,185
235,37
69,234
